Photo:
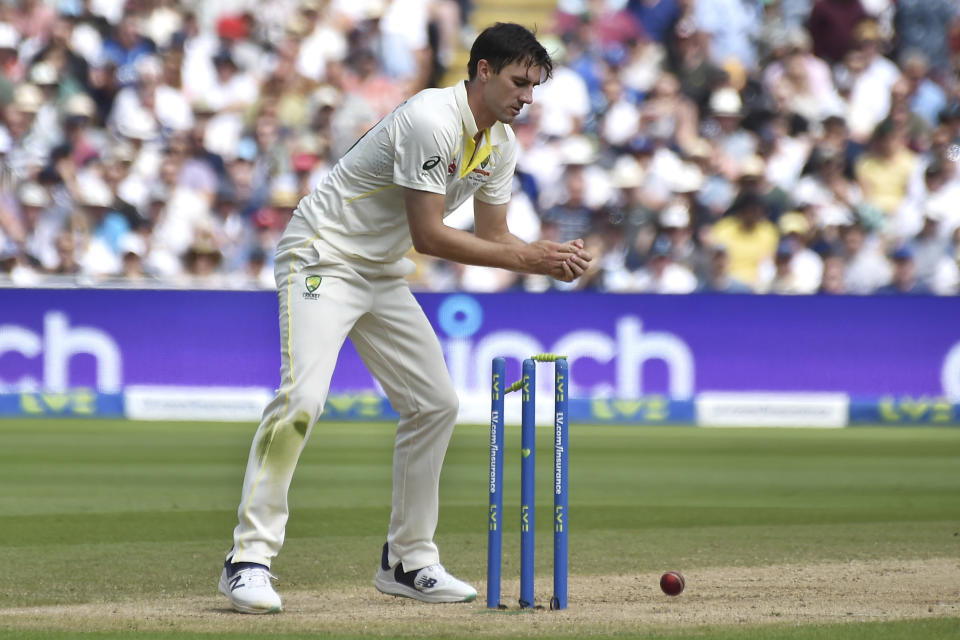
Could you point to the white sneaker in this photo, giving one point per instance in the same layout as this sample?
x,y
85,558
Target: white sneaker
x,y
430,584
247,587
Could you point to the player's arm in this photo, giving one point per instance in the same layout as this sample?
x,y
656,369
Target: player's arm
x,y
493,246
490,222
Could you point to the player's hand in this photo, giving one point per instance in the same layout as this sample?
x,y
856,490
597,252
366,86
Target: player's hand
x,y
564,261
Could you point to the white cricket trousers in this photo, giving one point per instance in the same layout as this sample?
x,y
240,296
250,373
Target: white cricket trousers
x,y
401,350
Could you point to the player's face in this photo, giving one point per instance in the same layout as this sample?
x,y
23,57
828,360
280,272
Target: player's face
x,y
506,92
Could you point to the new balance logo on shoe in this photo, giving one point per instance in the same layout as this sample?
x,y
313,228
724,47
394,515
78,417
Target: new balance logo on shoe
x,y
429,584
423,582
247,587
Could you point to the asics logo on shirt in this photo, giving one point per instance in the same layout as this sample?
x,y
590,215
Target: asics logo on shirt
x,y
431,162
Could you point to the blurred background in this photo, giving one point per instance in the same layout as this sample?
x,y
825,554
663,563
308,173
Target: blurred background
x,y
763,148
749,146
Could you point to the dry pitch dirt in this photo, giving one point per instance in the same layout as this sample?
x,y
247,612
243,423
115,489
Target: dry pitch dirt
x,y
856,591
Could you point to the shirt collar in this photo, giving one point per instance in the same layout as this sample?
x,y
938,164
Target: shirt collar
x,y
498,132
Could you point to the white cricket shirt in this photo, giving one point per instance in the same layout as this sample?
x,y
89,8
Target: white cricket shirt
x,y
427,144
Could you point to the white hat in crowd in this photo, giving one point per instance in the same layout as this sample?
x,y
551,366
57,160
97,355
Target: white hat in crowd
x,y
686,179
132,243
137,124
9,38
577,150
627,173
80,105
33,195
676,215
44,73
753,167
28,98
726,102
95,193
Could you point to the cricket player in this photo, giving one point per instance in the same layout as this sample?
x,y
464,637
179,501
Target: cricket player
x,y
340,270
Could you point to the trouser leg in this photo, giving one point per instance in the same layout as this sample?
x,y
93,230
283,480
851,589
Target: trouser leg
x,y
401,350
312,331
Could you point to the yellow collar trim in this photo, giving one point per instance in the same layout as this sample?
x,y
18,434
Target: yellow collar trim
x,y
473,156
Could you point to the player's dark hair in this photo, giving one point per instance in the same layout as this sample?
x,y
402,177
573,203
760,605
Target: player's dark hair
x,y
505,43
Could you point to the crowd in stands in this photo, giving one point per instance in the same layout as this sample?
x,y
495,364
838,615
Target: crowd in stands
x,y
741,146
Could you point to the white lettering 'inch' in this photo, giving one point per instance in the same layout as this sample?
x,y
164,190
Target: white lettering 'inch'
x,y
469,362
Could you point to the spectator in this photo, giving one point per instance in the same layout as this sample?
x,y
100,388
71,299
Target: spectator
x,y
258,271
132,250
619,119
325,44
926,98
657,17
733,27
362,79
725,132
572,216
932,197
564,102
13,270
831,195
669,115
831,25
833,282
662,273
160,107
865,267
28,147
65,247
642,63
904,280
675,226
101,227
230,94
797,268
929,248
201,263
61,53
718,278
921,25
405,52
750,238
126,45
785,152
884,171
38,226
800,82
80,137
11,66
690,62
784,278
868,78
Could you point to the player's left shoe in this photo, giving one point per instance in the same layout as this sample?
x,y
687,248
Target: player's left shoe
x,y
247,587
429,584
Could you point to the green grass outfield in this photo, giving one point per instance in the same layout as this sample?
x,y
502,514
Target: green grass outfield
x,y
101,512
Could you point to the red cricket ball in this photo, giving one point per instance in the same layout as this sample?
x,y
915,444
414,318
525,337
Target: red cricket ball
x,y
672,583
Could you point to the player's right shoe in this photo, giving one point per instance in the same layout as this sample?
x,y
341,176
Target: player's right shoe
x,y
247,587
429,584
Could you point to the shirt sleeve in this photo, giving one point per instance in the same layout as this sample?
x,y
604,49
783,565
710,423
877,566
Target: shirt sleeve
x,y
499,187
423,147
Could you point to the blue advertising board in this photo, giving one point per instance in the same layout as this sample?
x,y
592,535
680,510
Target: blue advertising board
x,y
619,346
